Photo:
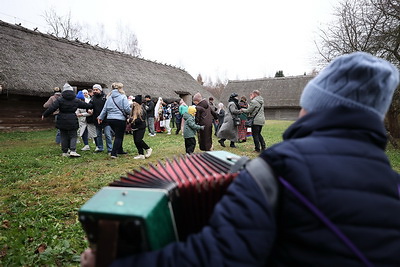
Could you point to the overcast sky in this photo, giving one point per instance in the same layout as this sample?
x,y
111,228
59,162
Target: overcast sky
x,y
229,39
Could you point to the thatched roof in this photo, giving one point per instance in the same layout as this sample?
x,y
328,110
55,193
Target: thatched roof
x,y
33,63
277,92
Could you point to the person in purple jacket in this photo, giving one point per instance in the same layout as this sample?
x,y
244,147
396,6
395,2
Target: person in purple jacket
x,y
334,157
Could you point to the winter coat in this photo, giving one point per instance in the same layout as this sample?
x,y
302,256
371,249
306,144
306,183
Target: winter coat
x,y
118,110
51,100
83,123
98,101
167,113
221,116
204,116
150,109
256,105
67,104
176,114
183,109
214,109
337,160
139,123
228,130
190,128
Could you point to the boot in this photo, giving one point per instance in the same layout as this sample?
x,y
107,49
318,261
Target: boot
x,y
221,142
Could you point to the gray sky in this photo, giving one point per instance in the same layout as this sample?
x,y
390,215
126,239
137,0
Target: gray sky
x,y
229,39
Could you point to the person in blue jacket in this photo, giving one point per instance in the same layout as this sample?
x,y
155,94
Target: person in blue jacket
x,y
334,155
116,110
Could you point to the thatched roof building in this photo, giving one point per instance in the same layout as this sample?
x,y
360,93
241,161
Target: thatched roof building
x,y
33,63
281,95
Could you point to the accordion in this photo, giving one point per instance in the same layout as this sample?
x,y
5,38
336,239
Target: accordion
x,y
157,205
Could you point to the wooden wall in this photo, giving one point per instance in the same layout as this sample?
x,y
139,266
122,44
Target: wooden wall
x,y
290,114
18,112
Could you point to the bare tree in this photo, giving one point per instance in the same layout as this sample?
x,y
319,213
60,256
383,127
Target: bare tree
x,y
215,88
200,79
62,26
96,35
127,41
371,26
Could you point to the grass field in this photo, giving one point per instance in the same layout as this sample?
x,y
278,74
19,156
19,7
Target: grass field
x,y
41,192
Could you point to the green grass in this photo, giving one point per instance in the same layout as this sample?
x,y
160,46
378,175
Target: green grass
x,y
41,192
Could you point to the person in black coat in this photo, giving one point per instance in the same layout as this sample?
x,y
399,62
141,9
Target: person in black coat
x,y
336,196
138,124
149,107
98,100
67,121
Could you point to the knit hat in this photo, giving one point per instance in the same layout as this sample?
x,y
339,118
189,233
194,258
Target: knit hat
x,y
67,87
97,86
353,80
137,99
80,95
192,110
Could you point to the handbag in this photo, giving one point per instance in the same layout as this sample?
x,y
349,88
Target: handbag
x,y
249,121
236,121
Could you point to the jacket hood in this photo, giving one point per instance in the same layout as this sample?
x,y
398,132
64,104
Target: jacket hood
x,y
259,99
203,103
115,93
187,116
69,95
343,121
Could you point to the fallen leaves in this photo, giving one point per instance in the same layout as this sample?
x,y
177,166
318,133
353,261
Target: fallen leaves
x,y
5,224
41,248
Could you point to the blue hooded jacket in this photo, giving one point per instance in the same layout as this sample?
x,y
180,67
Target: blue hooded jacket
x,y
336,158
118,110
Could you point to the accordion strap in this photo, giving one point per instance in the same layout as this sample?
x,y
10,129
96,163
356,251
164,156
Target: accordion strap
x,y
322,217
262,173
120,109
107,242
264,177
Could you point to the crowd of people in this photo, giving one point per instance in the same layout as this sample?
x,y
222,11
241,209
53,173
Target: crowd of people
x,y
91,114
324,196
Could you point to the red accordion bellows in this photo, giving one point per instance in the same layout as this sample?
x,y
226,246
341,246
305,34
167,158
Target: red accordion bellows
x,y
195,183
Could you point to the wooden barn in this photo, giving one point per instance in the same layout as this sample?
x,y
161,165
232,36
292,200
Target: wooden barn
x,y
281,95
33,63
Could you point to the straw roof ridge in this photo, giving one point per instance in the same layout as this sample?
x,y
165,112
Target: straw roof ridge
x,y
79,43
33,63
283,92
271,78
